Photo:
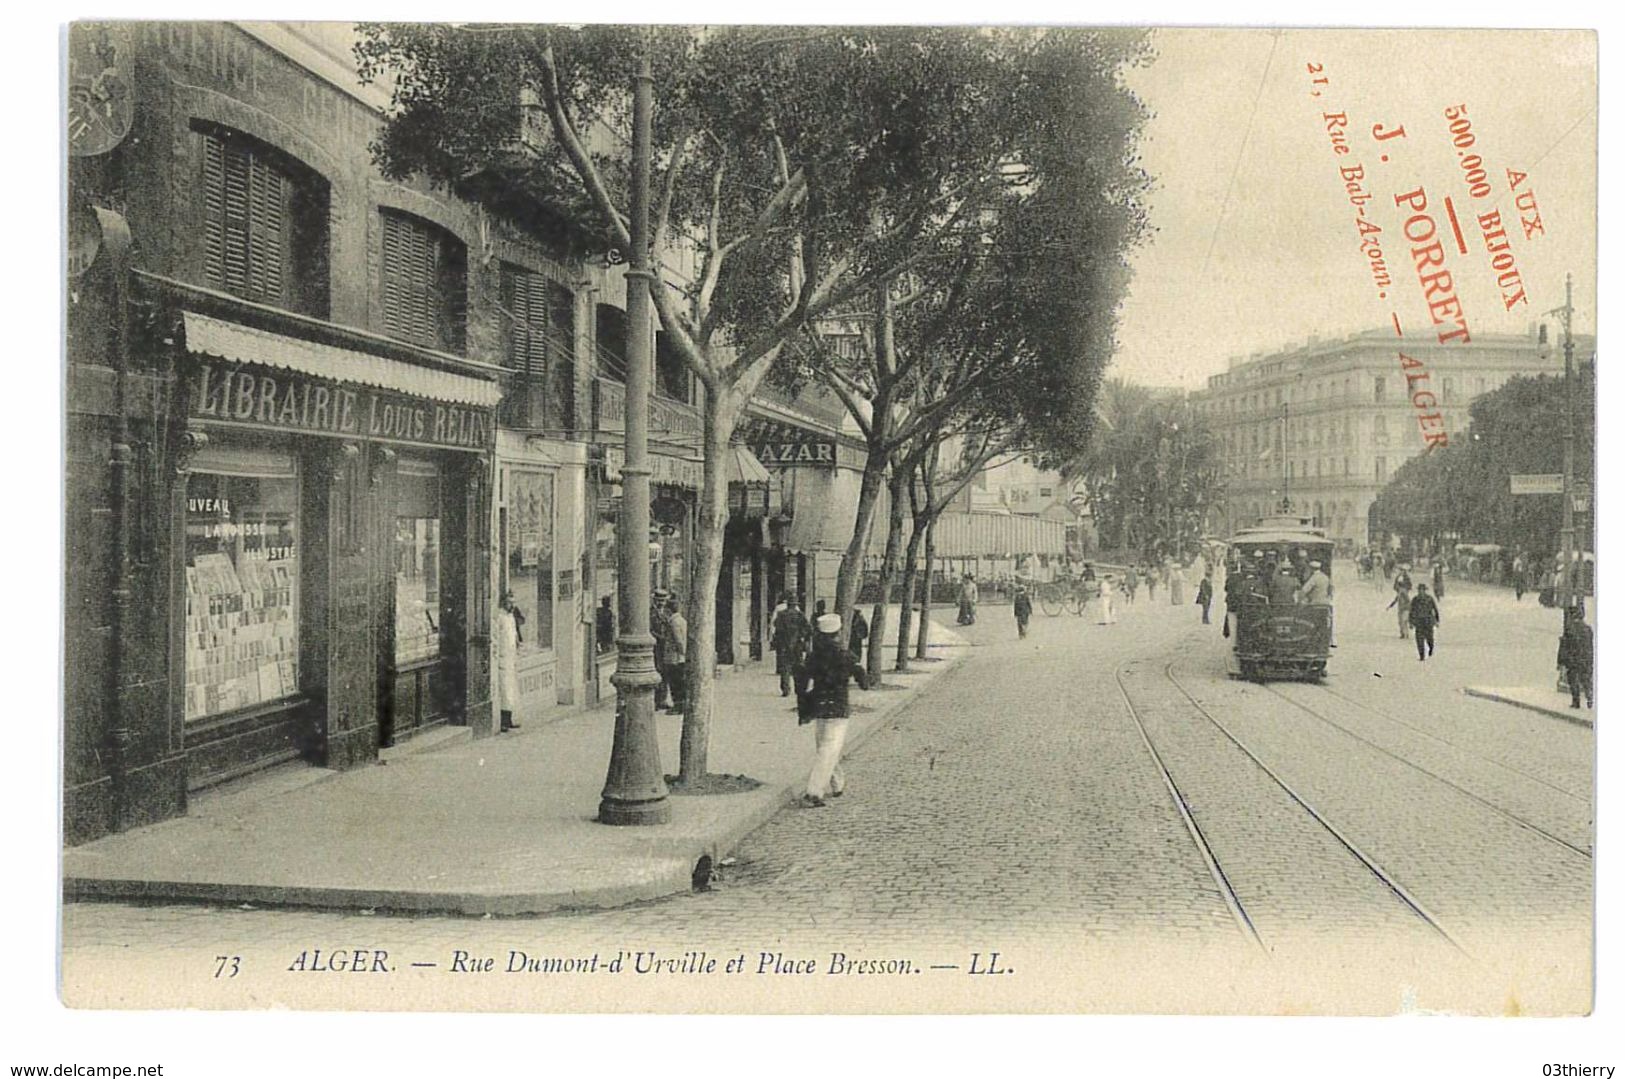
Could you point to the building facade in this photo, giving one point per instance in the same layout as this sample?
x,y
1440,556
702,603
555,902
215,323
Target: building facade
x,y
1327,424
319,421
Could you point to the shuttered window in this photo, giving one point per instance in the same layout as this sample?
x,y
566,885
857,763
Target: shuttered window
x,y
425,284
247,228
540,318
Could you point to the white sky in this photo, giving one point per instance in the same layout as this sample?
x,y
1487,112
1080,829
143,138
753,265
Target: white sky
x,y
1285,260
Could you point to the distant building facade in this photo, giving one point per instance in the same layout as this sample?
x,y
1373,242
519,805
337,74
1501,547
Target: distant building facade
x,y
1328,423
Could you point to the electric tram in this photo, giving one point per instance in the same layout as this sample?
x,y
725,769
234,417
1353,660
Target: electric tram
x,y
1275,636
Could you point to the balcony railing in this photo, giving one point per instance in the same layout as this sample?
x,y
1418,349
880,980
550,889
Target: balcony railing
x,y
669,420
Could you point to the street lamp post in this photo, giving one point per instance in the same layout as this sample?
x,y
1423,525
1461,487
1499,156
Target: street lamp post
x,y
1570,554
635,789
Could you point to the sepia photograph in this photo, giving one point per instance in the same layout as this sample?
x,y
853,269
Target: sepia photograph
x,y
829,519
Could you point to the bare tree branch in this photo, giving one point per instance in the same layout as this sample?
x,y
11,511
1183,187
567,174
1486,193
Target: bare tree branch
x,y
565,132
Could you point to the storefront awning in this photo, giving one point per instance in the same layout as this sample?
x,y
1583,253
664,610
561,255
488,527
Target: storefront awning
x,y
243,344
744,467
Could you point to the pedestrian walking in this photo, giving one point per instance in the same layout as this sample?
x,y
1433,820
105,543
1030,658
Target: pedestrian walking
x,y
1402,600
1150,584
1204,597
790,634
968,597
1576,654
1131,583
508,635
1520,578
676,656
825,698
658,616
860,633
1438,578
604,625
1108,602
1176,584
1023,607
1424,616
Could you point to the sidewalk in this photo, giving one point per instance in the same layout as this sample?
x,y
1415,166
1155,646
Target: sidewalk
x,y
1535,695
499,826
1537,699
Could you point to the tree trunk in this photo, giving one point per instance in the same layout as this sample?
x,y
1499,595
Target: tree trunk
x,y
924,643
695,746
911,572
896,489
850,576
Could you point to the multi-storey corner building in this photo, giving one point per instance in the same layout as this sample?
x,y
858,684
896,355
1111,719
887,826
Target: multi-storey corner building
x,y
1327,424
318,421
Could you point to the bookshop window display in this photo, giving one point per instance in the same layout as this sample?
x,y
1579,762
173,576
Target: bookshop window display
x,y
417,564
242,592
527,563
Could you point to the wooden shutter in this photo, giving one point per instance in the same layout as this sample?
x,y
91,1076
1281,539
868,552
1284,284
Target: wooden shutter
x,y
424,285
247,228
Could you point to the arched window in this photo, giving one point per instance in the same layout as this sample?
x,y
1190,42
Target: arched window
x,y
264,223
424,272
540,342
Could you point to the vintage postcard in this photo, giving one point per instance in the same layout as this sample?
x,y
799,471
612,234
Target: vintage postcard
x,y
821,519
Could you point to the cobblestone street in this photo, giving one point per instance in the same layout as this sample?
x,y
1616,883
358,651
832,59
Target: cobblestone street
x,y
1012,819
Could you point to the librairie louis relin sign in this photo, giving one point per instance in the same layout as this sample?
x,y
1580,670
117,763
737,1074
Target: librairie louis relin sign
x,y
263,397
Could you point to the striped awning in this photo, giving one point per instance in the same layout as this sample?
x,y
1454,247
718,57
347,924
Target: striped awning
x,y
209,336
997,535
744,467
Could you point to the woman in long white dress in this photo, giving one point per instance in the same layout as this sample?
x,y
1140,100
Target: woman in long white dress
x,y
1108,601
1176,584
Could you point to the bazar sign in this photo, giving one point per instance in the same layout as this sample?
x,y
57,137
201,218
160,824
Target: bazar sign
x,y
809,452
290,402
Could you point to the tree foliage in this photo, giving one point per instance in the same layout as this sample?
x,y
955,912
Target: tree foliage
x,y
1463,489
1151,471
806,169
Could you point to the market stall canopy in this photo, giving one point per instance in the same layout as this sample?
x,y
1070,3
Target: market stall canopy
x,y
244,344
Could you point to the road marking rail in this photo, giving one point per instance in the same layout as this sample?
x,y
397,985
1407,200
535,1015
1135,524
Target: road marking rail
x,y
1377,871
1226,890
1458,788
1564,791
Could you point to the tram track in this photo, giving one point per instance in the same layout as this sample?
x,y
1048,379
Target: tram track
x,y
1507,814
1584,799
1232,888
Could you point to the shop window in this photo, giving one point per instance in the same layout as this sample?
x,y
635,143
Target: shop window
x,y
1379,387
606,574
264,226
1379,430
527,527
417,564
540,345
242,592
1382,470
424,272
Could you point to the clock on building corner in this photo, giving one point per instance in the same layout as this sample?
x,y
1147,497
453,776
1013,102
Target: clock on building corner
x,y
100,101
